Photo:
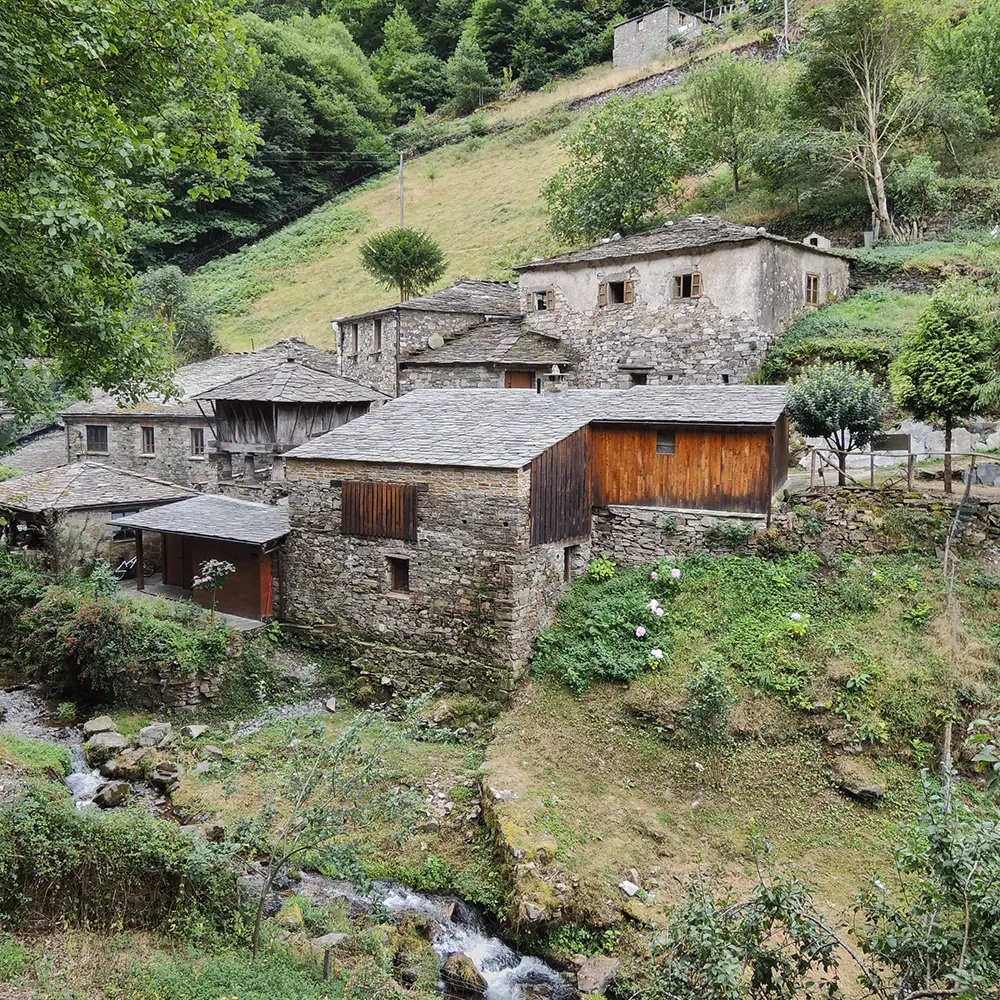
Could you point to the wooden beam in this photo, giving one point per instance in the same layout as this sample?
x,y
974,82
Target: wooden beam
x,y
140,569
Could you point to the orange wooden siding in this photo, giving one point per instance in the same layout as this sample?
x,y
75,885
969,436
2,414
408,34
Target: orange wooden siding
x,y
713,468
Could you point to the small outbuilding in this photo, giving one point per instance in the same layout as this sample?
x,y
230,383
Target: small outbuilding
x,y
653,35
247,535
76,513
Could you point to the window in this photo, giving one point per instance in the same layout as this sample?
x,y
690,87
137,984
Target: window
x,y
518,380
542,300
569,554
666,443
378,335
640,25
616,293
354,338
639,378
378,510
687,286
197,440
814,241
124,533
682,19
148,440
97,437
725,380
812,289
399,575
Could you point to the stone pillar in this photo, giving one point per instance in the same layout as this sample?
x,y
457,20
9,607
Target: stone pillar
x,y
225,465
249,472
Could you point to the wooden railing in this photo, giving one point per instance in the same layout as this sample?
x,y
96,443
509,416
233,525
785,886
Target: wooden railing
x,y
821,459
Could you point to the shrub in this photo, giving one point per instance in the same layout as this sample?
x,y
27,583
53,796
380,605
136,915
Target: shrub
x,y
709,700
601,568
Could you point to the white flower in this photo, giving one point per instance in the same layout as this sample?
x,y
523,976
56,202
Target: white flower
x,y
675,573
654,604
659,612
640,632
656,654
875,574
795,616
654,575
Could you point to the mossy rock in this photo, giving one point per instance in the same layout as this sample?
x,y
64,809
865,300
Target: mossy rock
x,y
415,962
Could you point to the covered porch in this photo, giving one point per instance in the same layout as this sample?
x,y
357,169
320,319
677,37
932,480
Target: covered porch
x,y
155,587
212,527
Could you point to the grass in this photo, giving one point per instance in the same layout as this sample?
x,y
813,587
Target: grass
x,y
35,758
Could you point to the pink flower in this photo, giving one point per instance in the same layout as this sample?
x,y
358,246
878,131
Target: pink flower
x,y
659,612
640,632
654,604
654,575
675,573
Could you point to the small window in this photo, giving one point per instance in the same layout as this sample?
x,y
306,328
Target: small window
x,y
682,19
543,300
814,241
148,440
569,555
687,286
97,438
812,289
725,380
638,378
399,575
354,338
640,25
197,440
666,443
124,533
378,335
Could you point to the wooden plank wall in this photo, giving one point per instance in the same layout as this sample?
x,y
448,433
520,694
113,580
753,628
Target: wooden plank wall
x,y
379,510
560,491
713,468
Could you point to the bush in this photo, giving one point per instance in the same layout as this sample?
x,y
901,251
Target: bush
x,y
709,700
13,959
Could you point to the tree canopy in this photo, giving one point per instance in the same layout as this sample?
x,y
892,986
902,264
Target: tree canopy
x,y
90,108
165,297
405,259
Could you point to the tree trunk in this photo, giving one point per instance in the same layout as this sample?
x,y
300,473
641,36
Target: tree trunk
x,y
259,915
947,456
841,467
736,176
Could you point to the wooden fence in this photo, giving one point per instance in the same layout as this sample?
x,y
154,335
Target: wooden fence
x,y
822,459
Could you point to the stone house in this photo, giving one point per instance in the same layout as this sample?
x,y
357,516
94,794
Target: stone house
x,y
653,35
73,514
437,533
172,439
696,301
371,345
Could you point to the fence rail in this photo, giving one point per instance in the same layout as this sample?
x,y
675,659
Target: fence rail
x,y
822,458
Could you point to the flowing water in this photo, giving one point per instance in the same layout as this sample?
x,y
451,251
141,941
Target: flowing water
x,y
455,926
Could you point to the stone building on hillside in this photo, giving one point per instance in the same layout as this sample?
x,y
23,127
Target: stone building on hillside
x,y
172,439
448,523
696,301
653,35
372,344
72,513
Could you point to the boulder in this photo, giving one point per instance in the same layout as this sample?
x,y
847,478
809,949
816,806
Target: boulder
x,y
103,746
855,779
154,734
166,775
102,724
331,704
210,831
112,794
460,975
193,732
203,767
212,752
596,974
291,917
328,940
629,888
127,765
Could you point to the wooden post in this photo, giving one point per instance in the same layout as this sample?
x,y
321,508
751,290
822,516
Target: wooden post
x,y
140,569
871,466
812,468
327,961
911,462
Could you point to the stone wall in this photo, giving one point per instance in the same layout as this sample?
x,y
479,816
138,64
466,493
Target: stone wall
x,y
171,460
478,591
77,538
463,376
750,294
650,37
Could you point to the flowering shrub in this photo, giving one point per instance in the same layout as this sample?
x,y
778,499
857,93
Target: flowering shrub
x,y
212,574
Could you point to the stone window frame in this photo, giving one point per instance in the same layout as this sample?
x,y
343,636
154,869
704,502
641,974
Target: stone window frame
x,y
147,433
570,553
531,303
812,289
125,534
197,435
377,335
696,285
91,439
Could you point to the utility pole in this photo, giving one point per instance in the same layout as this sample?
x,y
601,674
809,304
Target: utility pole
x,y
401,203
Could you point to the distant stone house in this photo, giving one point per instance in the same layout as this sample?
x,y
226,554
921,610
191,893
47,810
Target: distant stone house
x,y
172,439
696,301
446,524
72,514
651,36
371,345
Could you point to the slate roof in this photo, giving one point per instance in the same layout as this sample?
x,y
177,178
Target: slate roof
x,y
506,429
85,484
503,342
673,237
210,515
488,298
195,379
656,10
292,381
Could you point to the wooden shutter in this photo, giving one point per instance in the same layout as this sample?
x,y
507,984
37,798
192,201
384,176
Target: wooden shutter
x,y
629,293
529,302
378,510
678,286
550,299
696,285
602,294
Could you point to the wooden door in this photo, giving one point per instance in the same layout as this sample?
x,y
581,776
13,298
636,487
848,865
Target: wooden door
x,y
519,380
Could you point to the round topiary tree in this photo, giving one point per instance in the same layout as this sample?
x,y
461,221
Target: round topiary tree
x,y
839,403
406,259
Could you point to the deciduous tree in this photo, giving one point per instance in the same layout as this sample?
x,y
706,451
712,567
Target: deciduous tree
x,y
623,166
404,259
839,403
946,361
165,296
409,75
